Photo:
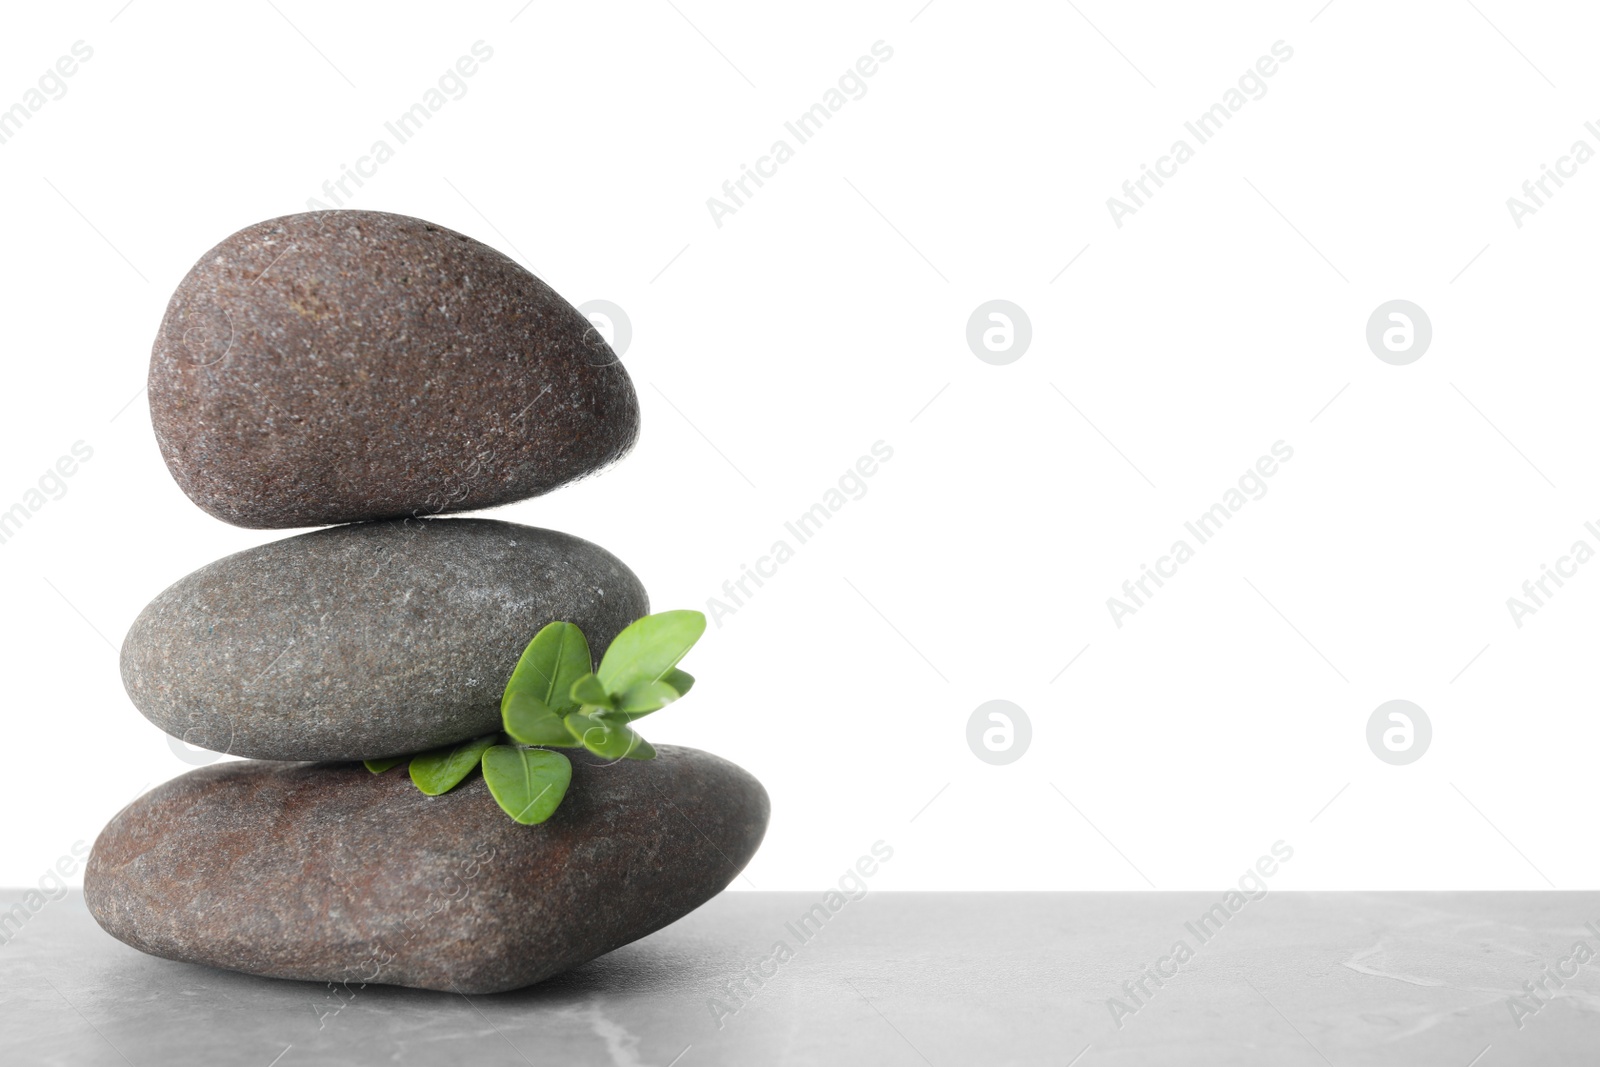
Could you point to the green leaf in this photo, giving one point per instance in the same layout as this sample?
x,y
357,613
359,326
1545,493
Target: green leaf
x,y
442,769
540,690
588,690
534,724
681,681
648,648
646,697
527,783
378,766
606,739
643,750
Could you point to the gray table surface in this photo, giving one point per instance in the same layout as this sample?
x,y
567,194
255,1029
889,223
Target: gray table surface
x,y
929,979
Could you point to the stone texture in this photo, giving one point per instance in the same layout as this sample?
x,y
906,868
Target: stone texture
x,y
367,640
338,366
323,872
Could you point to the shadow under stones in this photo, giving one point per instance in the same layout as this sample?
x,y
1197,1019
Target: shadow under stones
x,y
631,971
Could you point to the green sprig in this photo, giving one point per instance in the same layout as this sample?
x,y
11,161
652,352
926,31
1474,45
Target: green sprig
x,y
557,698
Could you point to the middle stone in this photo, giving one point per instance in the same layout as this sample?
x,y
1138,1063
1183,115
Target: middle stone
x,y
356,642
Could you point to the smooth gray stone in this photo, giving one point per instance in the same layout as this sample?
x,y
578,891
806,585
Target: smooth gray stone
x,y
339,366
367,640
326,872
899,979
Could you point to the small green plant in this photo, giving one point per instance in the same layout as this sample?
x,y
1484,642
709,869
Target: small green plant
x,y
557,698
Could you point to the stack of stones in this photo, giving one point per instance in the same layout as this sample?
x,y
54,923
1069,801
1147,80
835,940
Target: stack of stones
x,y
374,371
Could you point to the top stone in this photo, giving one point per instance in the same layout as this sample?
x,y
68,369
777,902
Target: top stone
x,y
339,366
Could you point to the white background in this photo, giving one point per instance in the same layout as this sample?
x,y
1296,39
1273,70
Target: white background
x,y
824,316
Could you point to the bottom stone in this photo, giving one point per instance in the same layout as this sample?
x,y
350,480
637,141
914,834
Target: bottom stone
x,y
325,872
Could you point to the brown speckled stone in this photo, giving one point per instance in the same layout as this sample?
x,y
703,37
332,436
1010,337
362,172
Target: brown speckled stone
x,y
366,640
337,366
326,873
